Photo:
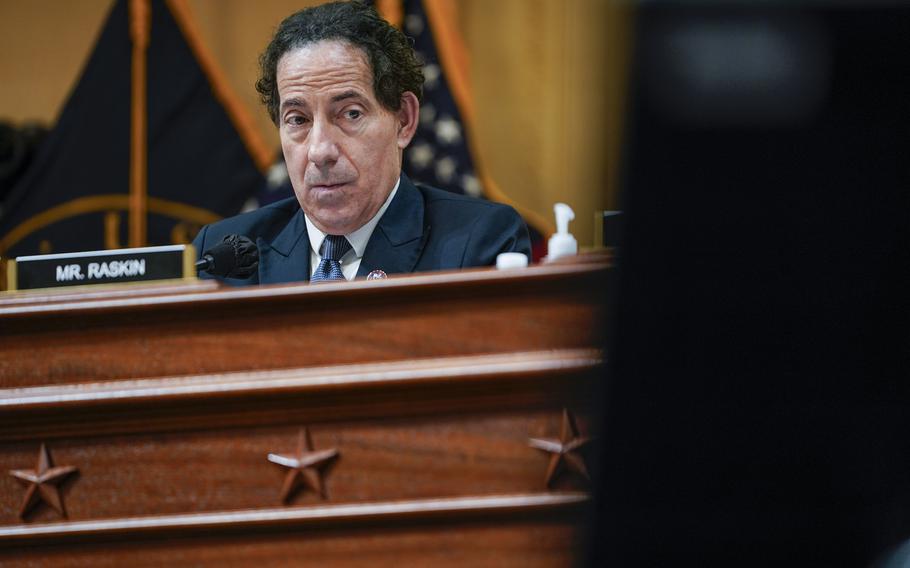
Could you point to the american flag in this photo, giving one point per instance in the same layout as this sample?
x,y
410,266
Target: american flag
x,y
438,155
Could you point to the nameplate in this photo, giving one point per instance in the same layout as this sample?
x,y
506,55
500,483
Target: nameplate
x,y
101,267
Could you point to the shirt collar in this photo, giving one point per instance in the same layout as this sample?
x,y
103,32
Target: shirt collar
x,y
358,238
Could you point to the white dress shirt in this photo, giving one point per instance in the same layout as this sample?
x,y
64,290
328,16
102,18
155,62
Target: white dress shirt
x,y
350,262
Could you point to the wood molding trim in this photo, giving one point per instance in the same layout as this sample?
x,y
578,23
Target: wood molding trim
x,y
312,517
584,276
322,393
106,292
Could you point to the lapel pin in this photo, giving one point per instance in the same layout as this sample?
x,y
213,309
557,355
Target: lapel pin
x,y
377,275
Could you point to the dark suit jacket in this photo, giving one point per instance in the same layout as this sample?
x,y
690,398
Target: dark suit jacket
x,y
423,229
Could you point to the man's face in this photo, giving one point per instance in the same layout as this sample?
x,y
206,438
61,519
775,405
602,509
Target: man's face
x,y
342,147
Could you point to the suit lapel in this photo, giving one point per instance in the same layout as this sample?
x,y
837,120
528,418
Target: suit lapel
x,y
287,257
400,236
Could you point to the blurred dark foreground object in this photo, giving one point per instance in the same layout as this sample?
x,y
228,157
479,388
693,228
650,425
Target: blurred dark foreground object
x,y
758,407
897,558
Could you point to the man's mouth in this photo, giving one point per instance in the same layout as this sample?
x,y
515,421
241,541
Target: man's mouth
x,y
327,186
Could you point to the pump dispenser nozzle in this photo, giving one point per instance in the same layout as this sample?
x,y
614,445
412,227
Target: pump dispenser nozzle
x,y
562,243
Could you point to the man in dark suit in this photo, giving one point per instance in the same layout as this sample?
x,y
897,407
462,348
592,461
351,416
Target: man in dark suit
x,y
343,87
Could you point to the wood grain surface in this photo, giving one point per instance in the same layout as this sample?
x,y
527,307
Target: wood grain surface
x,y
300,325
517,542
167,400
314,394
228,469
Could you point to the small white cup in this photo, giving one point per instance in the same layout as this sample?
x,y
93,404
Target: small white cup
x,y
511,260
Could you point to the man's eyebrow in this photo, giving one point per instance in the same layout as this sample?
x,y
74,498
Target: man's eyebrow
x,y
291,103
347,95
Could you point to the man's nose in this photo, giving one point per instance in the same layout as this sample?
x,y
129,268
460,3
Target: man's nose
x,y
323,146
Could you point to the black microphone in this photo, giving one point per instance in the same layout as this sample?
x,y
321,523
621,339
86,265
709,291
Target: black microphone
x,y
235,256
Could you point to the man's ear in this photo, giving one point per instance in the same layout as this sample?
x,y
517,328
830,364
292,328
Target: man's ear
x,y
407,118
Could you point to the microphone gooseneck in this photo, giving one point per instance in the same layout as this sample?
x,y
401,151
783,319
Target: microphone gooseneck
x,y
235,256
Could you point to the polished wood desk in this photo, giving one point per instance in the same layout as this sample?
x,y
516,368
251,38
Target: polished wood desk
x,y
412,420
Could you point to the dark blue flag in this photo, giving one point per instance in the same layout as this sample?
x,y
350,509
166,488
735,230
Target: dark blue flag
x,y
75,193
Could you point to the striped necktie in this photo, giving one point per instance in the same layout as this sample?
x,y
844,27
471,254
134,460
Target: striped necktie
x,y
333,248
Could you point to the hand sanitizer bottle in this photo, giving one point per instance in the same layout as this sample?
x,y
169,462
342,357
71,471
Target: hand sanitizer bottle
x,y
562,243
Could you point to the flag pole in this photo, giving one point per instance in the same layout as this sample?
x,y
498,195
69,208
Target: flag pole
x,y
140,30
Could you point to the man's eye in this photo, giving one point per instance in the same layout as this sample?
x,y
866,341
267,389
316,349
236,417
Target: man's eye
x,y
353,114
296,120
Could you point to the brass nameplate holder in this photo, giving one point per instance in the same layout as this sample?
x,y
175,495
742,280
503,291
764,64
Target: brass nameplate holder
x,y
171,262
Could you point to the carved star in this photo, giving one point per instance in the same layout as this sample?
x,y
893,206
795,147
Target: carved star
x,y
42,483
305,467
565,450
